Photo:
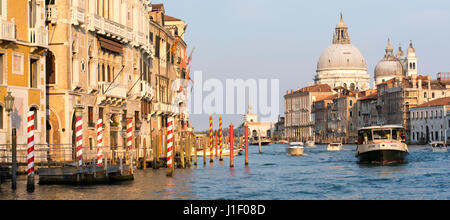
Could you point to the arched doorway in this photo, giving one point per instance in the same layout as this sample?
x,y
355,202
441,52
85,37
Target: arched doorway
x,y
427,138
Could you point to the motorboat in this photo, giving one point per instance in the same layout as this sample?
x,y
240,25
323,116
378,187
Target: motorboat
x,y
310,144
296,149
264,141
334,147
438,146
382,145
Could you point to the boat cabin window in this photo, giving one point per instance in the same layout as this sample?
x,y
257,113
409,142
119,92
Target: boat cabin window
x,y
381,134
364,136
386,134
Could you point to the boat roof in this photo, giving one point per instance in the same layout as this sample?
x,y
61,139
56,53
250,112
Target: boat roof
x,y
382,127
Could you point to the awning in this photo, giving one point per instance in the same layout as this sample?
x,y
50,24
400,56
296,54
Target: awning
x,y
110,45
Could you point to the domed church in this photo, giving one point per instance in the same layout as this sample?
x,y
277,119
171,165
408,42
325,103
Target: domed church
x,y
342,64
396,66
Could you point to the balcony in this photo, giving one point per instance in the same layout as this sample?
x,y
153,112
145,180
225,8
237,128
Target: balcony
x,y
118,32
145,91
8,30
39,37
112,94
52,14
77,16
164,109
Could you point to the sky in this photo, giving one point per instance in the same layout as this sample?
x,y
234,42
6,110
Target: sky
x,y
283,39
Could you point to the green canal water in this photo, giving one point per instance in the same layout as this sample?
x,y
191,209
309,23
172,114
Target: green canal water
x,y
271,175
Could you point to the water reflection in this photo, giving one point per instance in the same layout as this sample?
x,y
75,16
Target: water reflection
x,y
272,175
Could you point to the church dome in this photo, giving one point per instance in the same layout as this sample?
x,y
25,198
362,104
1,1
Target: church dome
x,y
341,57
388,67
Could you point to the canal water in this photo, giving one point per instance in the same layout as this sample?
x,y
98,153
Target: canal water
x,y
271,175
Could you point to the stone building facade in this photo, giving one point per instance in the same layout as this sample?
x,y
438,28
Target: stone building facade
x,y
120,61
23,48
397,96
299,118
429,121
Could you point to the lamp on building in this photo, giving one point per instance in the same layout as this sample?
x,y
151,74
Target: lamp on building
x,y
9,102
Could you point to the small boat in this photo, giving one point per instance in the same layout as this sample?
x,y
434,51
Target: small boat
x,y
310,144
438,146
334,147
382,145
295,149
283,142
264,141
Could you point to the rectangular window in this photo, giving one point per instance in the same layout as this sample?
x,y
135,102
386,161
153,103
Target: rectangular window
x,y
100,114
1,68
136,118
17,63
91,117
1,117
50,67
32,13
33,73
157,46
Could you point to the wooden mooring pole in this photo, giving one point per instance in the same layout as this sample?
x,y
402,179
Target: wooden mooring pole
x,y
195,150
231,146
204,150
246,145
14,160
259,141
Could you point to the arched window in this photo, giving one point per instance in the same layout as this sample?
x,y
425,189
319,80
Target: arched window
x,y
425,95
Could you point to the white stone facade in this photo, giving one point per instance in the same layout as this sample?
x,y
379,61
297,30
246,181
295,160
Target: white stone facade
x,y
429,124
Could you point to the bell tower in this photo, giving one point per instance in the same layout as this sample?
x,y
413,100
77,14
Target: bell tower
x,y
411,61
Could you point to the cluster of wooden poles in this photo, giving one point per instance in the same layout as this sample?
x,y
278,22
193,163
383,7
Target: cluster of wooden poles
x,y
185,144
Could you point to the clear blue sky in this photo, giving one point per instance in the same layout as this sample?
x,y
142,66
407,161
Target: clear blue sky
x,y
284,39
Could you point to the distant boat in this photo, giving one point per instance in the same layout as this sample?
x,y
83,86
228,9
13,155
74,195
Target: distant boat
x,y
310,144
264,141
334,147
295,149
382,145
438,146
283,142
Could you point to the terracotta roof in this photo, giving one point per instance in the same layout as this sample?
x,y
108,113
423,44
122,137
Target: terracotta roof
x,y
437,102
170,18
157,7
317,88
326,97
369,97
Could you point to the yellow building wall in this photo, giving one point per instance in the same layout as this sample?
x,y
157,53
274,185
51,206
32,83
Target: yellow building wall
x,y
18,79
19,11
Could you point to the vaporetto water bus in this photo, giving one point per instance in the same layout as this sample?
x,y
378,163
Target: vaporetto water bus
x,y
382,145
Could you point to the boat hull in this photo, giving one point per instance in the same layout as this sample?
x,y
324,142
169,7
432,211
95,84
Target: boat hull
x,y
439,150
295,151
383,157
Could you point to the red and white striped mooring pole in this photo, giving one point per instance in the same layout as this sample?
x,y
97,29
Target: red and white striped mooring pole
x,y
79,138
30,151
99,142
130,141
170,164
